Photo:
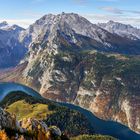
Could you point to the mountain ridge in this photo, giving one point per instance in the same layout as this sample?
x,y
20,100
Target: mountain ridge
x,y
72,25
11,50
75,30
121,29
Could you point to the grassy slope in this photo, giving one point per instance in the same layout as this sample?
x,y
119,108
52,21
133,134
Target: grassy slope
x,y
25,110
25,106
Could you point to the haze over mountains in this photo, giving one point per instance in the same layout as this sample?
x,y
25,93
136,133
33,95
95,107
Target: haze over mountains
x,y
67,58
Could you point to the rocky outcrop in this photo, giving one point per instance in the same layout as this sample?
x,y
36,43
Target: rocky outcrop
x,y
39,129
29,129
6,120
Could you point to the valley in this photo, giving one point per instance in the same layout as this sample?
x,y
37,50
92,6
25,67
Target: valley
x,y
17,100
66,58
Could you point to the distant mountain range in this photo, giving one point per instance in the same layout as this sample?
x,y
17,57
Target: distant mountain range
x,y
67,58
11,50
122,30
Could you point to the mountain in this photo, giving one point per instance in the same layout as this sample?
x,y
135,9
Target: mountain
x,y
11,50
72,60
26,117
3,24
6,27
69,29
120,29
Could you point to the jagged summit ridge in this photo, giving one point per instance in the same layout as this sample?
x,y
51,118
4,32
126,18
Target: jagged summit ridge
x,y
66,29
121,29
7,27
78,31
51,23
11,50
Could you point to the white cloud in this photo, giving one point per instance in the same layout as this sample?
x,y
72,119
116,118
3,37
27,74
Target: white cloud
x,y
93,17
21,22
112,10
115,10
31,18
98,18
32,15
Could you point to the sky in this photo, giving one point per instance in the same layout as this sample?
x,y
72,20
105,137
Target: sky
x,y
26,12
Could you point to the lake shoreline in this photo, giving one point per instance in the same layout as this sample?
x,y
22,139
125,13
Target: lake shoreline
x,y
100,126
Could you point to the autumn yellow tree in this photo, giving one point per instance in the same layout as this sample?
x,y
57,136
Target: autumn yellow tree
x,y
3,135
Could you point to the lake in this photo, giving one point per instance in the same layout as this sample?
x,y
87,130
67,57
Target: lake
x,y
111,128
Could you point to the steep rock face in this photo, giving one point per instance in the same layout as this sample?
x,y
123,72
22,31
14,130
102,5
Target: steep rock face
x,y
96,82
106,84
99,83
11,50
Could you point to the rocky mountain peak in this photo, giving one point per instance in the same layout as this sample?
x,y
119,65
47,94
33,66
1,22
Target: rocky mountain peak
x,y
60,17
7,27
121,29
3,24
65,23
16,27
11,50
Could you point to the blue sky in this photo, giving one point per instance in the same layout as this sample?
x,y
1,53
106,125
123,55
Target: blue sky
x,y
25,12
